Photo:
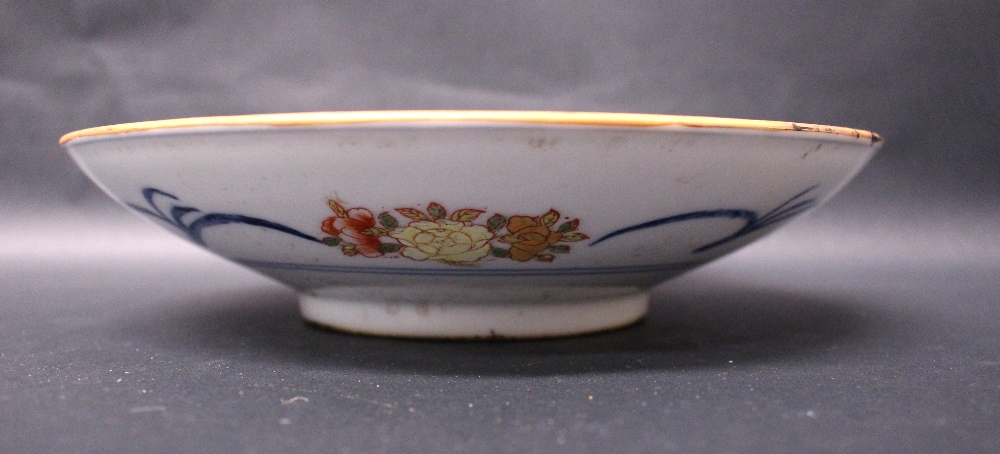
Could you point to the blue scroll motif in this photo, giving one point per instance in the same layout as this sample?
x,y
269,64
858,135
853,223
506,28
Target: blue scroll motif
x,y
193,229
753,221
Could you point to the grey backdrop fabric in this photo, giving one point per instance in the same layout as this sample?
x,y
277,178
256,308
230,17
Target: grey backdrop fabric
x,y
921,73
872,325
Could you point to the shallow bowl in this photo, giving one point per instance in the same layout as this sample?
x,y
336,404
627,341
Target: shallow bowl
x,y
464,224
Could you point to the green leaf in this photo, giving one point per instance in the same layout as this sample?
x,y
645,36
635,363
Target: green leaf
x,y
569,226
338,208
496,222
388,221
412,213
387,248
559,249
331,241
499,252
466,215
511,239
546,257
574,236
549,219
375,231
436,210
349,250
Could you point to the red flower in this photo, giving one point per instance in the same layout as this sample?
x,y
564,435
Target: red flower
x,y
351,230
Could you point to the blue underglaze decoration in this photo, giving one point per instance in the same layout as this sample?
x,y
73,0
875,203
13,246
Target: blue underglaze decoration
x,y
753,221
194,228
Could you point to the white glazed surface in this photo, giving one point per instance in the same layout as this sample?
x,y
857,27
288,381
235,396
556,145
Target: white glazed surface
x,y
703,181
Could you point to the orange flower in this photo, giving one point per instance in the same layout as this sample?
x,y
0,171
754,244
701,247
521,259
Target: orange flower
x,y
351,230
532,237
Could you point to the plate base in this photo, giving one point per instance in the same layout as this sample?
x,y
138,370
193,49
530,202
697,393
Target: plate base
x,y
474,312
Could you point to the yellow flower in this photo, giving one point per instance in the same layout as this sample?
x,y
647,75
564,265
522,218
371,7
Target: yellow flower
x,y
444,240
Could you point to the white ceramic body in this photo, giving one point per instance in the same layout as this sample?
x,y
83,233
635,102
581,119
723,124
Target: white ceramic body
x,y
259,195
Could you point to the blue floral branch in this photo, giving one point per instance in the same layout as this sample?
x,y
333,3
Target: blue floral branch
x,y
194,228
752,221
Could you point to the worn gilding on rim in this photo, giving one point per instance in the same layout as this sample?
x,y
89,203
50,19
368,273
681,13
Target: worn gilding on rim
x,y
418,116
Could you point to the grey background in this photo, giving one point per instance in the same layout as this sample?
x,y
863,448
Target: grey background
x,y
871,325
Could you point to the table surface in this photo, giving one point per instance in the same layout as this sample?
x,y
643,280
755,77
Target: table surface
x,y
129,340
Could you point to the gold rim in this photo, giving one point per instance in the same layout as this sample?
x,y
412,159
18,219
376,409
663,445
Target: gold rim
x,y
417,116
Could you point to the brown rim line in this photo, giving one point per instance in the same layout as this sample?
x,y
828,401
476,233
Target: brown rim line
x,y
475,116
